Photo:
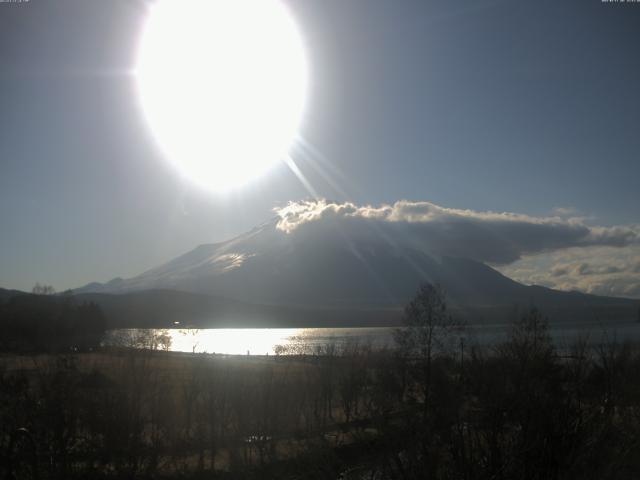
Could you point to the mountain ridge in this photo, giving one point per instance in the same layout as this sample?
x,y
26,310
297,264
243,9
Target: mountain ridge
x,y
273,269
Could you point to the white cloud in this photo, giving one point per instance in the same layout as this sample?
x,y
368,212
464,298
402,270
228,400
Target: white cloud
x,y
597,270
556,251
494,237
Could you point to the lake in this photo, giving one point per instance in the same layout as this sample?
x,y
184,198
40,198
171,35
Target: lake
x,y
270,341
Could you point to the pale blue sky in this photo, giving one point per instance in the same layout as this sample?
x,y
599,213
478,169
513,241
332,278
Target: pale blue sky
x,y
517,106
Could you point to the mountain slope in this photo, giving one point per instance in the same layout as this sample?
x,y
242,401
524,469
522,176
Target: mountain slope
x,y
269,267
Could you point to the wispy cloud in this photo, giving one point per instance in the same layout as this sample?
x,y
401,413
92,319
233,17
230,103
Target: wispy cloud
x,y
565,212
597,270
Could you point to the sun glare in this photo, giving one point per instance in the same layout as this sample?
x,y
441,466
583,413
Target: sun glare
x,y
222,84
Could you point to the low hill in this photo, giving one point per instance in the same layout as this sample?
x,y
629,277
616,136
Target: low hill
x,y
174,309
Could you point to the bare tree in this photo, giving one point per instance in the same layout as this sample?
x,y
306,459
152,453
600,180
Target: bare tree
x,y
428,327
39,289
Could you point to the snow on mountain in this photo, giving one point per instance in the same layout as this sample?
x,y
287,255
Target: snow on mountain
x,y
327,269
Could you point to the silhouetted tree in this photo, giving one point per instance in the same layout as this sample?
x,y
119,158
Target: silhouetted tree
x,y
43,289
50,323
428,327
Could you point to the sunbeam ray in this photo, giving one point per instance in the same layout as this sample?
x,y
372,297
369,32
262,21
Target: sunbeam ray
x,y
320,171
298,173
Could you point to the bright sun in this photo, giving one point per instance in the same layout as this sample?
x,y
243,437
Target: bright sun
x,y
222,84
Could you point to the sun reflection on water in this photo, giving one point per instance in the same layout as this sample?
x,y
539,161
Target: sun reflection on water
x,y
233,341
315,341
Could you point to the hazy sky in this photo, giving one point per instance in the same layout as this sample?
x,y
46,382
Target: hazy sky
x,y
519,106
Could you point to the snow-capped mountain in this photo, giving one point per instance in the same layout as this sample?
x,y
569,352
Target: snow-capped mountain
x,y
270,266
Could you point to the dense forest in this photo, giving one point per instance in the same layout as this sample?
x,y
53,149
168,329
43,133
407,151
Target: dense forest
x,y
46,322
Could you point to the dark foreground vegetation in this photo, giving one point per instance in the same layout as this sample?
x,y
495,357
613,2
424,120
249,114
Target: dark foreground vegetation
x,y
429,408
45,322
